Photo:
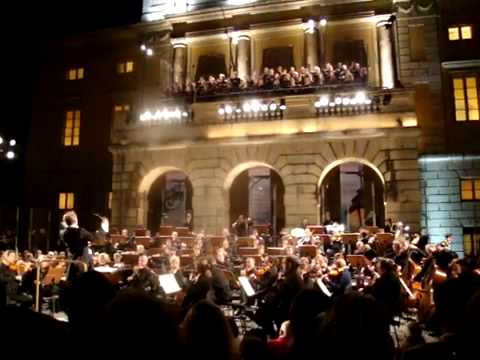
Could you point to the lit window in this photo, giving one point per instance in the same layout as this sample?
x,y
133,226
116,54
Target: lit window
x,y
72,128
75,74
460,32
66,201
453,34
471,241
122,108
466,32
110,196
470,189
466,99
125,67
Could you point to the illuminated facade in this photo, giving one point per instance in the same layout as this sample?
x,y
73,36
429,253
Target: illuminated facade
x,y
174,145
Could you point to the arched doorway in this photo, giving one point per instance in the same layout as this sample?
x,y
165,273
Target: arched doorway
x,y
352,193
258,192
169,199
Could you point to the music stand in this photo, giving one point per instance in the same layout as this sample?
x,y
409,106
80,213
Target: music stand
x,y
308,251
182,231
247,251
246,286
358,261
169,284
276,251
245,241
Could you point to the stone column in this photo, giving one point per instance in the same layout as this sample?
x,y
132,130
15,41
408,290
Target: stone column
x,y
243,57
385,47
311,46
179,62
322,42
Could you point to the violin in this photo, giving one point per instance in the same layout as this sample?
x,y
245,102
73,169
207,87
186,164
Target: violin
x,y
263,270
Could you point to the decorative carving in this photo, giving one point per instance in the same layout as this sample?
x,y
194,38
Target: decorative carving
x,y
415,7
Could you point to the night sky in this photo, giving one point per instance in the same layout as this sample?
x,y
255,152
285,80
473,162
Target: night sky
x,y
23,26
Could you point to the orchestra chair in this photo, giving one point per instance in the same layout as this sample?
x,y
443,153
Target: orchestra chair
x,y
276,251
154,251
245,241
309,251
316,229
182,231
140,231
118,239
130,258
247,251
165,230
143,240
216,241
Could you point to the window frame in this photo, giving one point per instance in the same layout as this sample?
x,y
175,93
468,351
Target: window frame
x,y
464,76
459,32
474,239
75,130
63,204
77,71
474,189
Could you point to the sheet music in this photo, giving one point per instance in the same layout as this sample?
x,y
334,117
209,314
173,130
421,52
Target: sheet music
x,y
169,284
246,286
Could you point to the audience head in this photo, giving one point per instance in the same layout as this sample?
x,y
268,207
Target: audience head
x,y
206,332
70,218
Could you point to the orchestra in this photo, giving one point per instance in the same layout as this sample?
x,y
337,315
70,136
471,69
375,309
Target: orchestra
x,y
397,268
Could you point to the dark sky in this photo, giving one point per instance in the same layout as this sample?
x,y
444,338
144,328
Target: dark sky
x,y
30,22
23,25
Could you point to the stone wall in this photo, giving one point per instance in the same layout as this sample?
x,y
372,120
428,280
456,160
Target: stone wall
x,y
443,210
300,161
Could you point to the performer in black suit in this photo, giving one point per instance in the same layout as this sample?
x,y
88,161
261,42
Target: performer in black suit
x,y
77,239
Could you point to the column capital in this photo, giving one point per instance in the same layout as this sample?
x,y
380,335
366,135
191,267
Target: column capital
x,y
179,42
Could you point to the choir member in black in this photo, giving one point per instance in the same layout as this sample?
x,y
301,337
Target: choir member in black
x,y
188,221
241,226
387,288
177,272
77,239
143,277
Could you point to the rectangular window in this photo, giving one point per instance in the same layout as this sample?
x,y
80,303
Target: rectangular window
x,y
470,189
417,42
75,74
125,67
465,93
66,201
471,241
121,108
71,136
110,197
460,33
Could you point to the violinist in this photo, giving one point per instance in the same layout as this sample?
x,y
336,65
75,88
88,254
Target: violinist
x,y
176,271
339,278
8,272
143,277
249,270
266,276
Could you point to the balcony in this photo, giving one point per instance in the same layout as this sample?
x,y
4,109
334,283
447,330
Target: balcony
x,y
329,110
